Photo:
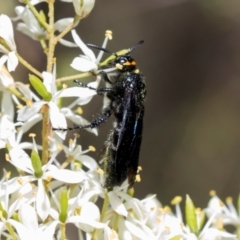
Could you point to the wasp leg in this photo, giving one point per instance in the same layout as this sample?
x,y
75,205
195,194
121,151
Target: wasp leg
x,y
99,91
105,77
95,123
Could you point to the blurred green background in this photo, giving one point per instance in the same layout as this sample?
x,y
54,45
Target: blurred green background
x,y
191,61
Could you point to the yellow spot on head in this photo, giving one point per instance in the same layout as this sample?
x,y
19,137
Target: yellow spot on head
x,y
92,148
212,193
176,200
32,135
127,64
119,66
108,34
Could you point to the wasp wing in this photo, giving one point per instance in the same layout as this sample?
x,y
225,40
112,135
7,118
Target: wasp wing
x,y
124,143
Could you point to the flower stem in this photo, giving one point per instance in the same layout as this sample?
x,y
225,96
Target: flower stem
x,y
36,14
51,44
45,133
104,209
73,77
63,232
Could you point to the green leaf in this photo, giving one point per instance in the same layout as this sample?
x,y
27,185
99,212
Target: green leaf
x,y
36,164
190,213
40,87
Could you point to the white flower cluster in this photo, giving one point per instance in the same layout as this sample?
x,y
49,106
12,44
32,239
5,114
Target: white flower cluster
x,y
47,195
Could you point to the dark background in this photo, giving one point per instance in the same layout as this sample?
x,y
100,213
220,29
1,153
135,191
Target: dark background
x,y
191,61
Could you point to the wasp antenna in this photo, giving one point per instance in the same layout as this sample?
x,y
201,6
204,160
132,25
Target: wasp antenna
x,y
100,48
136,46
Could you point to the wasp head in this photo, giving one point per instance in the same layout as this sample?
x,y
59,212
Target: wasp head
x,y
124,63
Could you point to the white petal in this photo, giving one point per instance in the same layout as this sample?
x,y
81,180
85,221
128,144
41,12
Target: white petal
x,y
212,233
5,78
7,105
24,90
30,219
78,120
90,212
67,43
7,128
28,124
23,232
85,9
22,27
65,175
48,232
117,204
136,231
86,50
42,201
88,162
61,24
6,31
57,119
81,220
20,159
83,65
27,112
12,61
48,81
82,93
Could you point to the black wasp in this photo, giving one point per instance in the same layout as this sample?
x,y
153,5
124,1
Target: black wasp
x,y
127,96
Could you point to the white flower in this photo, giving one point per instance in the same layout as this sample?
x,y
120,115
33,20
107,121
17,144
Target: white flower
x,y
88,62
57,118
30,25
82,8
75,152
28,227
22,161
6,33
